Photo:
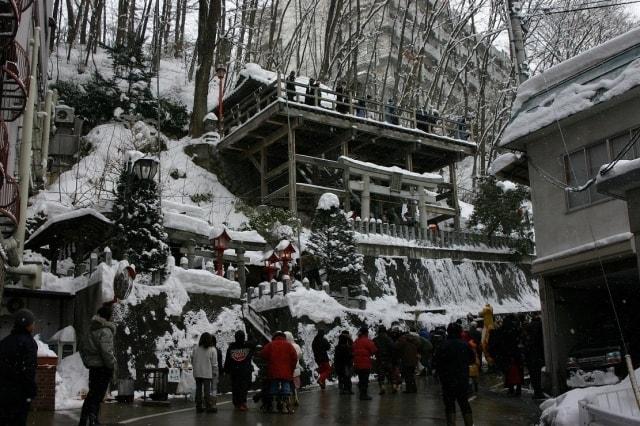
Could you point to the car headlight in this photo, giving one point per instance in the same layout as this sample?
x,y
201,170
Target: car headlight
x,y
572,362
614,357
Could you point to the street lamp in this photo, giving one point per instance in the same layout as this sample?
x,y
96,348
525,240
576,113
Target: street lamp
x,y
221,71
145,168
220,241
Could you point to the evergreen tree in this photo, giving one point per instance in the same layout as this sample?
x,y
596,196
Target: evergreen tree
x,y
139,234
499,208
333,243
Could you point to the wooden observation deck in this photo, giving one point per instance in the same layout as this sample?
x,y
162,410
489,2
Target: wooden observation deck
x,y
296,140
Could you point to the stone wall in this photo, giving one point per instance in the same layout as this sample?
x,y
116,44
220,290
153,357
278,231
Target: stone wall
x,y
446,282
46,382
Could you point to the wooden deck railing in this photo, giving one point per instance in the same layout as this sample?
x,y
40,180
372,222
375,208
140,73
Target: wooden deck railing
x,y
358,109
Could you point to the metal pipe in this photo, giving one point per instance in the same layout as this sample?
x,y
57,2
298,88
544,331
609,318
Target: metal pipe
x,y
46,129
25,147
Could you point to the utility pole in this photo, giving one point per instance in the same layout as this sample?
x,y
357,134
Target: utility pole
x,y
516,40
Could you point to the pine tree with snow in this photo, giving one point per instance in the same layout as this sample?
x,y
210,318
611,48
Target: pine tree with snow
x,y
139,234
333,243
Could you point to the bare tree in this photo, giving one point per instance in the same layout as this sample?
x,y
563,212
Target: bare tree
x,y
208,17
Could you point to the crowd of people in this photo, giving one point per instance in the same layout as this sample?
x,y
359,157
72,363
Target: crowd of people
x,y
425,119
453,355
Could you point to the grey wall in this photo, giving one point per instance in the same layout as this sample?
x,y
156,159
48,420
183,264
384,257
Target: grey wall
x,y
556,228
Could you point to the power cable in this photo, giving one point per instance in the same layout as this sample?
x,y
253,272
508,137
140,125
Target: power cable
x,y
579,9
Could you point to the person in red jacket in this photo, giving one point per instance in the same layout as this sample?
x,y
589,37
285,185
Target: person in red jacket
x,y
363,350
281,358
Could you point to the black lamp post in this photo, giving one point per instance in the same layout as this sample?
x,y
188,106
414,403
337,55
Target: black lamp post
x,y
221,71
145,168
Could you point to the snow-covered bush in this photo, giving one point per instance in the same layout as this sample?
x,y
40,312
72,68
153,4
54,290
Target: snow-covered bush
x,y
139,233
333,243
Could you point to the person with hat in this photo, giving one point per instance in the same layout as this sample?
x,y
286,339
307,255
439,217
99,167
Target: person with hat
x,y
385,360
98,356
18,364
237,365
363,350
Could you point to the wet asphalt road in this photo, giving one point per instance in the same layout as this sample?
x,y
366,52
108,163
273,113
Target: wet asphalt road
x,y
491,407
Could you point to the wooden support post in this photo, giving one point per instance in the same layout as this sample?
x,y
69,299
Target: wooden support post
x,y
365,198
345,178
422,209
293,206
409,162
264,189
454,193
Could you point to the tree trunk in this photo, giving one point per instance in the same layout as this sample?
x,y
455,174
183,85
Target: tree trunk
x,y
94,28
208,17
83,25
121,29
252,21
54,29
131,19
70,19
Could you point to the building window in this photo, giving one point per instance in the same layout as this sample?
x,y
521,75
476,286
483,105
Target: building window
x,y
582,165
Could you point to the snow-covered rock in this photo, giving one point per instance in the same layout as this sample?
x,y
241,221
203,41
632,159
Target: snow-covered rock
x,y
72,382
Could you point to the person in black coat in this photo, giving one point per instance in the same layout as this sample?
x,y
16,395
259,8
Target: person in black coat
x,y
18,364
291,87
453,359
238,366
310,93
343,363
320,347
534,354
385,359
342,100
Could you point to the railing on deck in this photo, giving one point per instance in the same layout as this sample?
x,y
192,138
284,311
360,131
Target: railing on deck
x,y
343,103
436,238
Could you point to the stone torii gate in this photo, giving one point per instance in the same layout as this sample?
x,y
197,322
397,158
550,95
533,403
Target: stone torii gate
x,y
368,178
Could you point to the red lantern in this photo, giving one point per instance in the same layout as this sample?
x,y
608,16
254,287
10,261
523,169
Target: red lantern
x,y
220,244
285,251
270,265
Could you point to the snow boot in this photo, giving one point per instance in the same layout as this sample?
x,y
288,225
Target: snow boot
x,y
211,404
468,419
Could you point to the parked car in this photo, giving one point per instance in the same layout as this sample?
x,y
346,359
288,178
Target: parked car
x,y
606,356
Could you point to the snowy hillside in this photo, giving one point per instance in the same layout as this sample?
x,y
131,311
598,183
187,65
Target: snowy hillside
x,y
90,182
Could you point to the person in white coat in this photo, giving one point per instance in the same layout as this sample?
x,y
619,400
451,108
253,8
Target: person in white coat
x,y
298,370
205,372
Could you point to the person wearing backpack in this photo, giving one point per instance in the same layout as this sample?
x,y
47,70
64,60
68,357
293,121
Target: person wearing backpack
x,y
98,356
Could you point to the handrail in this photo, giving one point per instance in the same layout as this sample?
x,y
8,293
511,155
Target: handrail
x,y
345,103
439,238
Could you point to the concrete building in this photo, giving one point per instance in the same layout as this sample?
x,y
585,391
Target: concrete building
x,y
383,36
569,122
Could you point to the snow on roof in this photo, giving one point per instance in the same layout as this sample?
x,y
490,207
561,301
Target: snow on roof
x,y
328,201
576,65
190,210
621,167
393,169
502,161
258,73
571,100
250,236
183,222
132,156
68,216
180,283
282,245
210,116
67,334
